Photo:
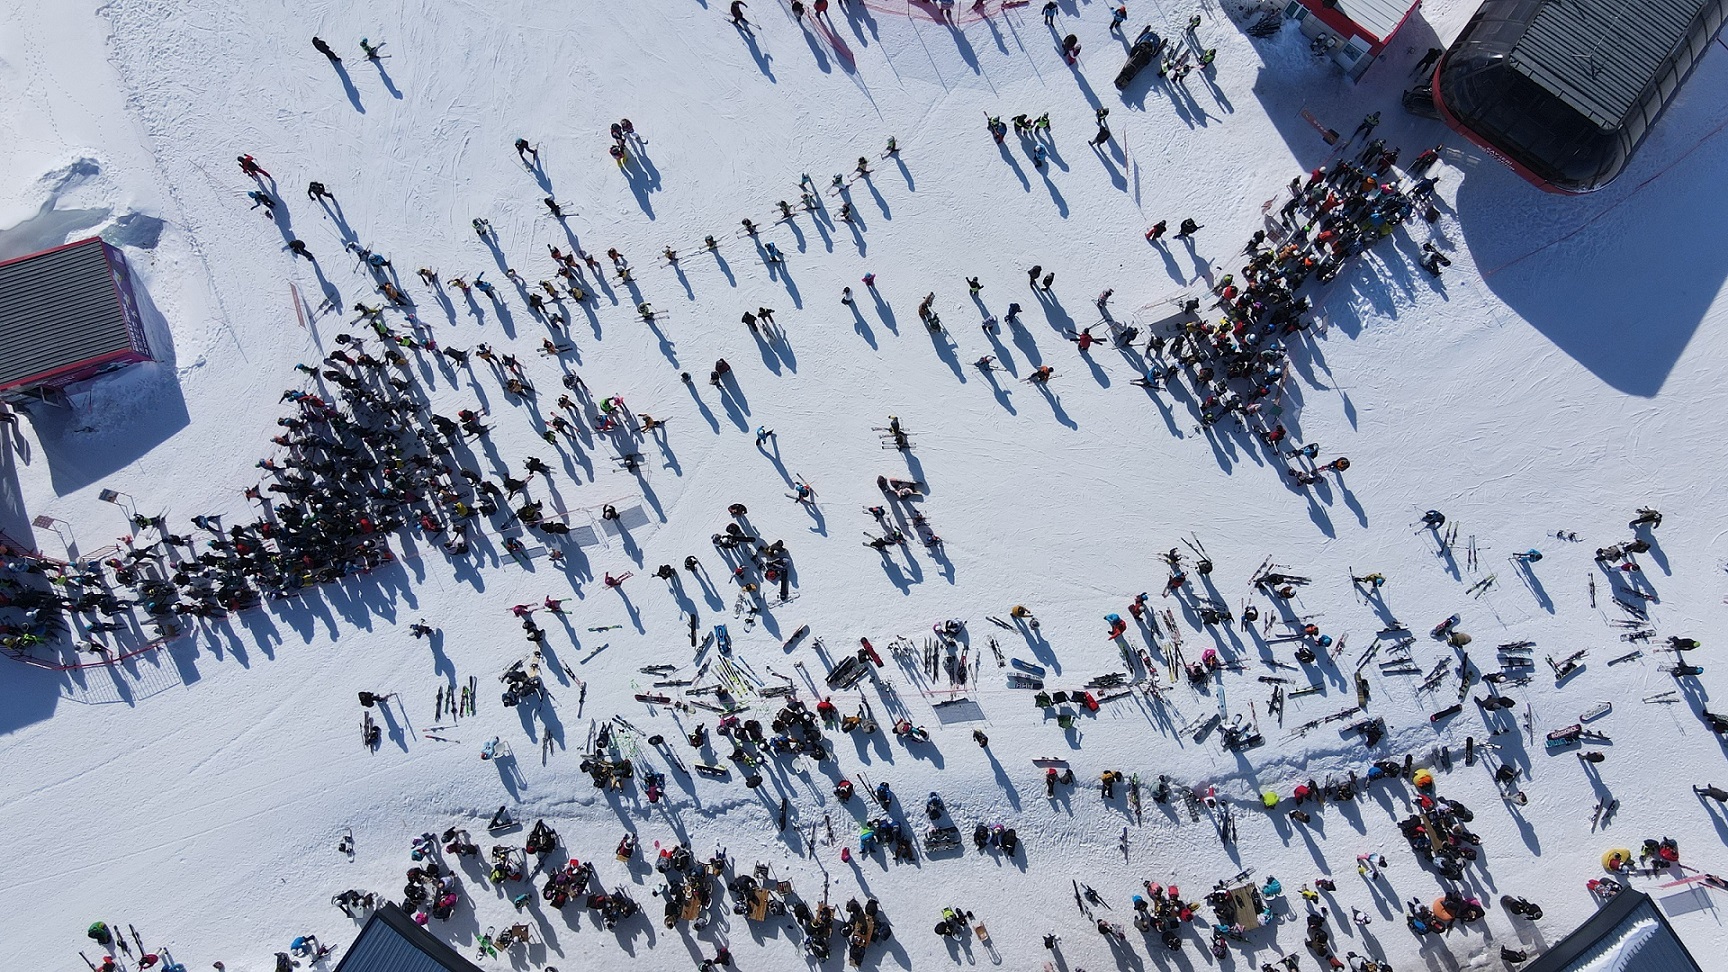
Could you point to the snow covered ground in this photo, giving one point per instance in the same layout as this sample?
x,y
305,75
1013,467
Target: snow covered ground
x,y
1563,372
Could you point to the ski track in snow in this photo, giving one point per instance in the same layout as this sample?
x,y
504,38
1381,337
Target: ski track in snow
x,y
206,813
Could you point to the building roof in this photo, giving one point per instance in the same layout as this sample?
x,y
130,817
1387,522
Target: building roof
x,y
392,942
58,308
1628,934
1378,17
1598,56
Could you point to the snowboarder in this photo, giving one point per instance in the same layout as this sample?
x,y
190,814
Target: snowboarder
x,y
324,48
846,296
1187,229
1157,231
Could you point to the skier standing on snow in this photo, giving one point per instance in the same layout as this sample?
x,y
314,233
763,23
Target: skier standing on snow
x,y
738,14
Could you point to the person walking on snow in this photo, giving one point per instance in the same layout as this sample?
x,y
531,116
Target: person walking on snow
x,y
1157,231
1188,229
250,166
1050,14
1117,16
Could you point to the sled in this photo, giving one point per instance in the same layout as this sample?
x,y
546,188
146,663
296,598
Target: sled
x,y
1625,855
942,839
759,905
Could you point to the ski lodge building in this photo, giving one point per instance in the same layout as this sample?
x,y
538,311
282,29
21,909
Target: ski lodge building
x,y
1352,32
1563,91
66,314
390,941
1628,934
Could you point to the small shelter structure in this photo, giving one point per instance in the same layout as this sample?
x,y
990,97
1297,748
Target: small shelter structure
x,y
1628,934
1352,32
66,315
390,941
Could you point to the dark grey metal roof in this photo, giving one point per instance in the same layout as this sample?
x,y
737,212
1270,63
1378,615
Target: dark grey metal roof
x,y
1629,934
58,308
392,942
1598,56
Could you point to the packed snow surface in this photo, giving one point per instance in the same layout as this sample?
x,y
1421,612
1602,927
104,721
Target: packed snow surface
x,y
1565,370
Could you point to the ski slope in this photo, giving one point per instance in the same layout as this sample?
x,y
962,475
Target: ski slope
x,y
1563,372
